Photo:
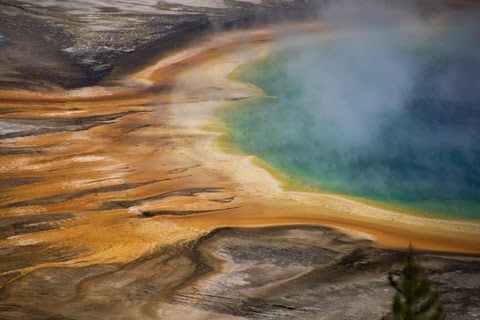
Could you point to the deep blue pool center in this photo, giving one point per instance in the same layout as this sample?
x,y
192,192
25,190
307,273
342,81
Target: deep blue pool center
x,y
390,116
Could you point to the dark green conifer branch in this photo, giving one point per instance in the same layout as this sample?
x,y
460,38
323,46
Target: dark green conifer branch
x,y
414,299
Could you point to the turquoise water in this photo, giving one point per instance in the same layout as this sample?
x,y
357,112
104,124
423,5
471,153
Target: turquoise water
x,y
397,121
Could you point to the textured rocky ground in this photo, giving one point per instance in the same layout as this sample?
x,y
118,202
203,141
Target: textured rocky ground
x,y
269,273
105,212
76,43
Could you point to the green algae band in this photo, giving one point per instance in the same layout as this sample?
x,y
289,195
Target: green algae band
x,y
395,121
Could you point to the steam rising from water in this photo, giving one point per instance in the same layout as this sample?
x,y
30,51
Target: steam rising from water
x,y
388,108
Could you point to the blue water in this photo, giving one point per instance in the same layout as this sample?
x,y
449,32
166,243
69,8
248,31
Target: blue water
x,y
397,121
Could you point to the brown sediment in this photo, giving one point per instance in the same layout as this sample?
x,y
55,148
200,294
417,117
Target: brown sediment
x,y
81,167
98,158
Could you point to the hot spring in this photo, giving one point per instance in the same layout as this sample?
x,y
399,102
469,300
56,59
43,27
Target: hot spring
x,y
386,112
